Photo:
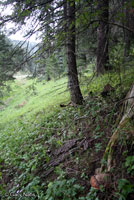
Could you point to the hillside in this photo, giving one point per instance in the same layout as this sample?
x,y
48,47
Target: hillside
x,y
66,104
49,149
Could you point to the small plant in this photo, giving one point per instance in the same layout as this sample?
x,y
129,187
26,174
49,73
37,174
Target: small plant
x,y
84,176
98,147
92,195
98,134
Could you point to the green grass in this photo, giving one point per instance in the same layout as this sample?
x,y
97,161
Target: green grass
x,y
45,97
20,127
37,97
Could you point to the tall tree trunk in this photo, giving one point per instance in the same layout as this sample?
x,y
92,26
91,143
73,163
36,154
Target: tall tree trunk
x,y
102,37
73,82
127,34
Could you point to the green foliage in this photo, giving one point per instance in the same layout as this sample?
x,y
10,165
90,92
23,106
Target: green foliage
x,y
129,164
63,189
10,59
120,81
29,131
124,189
19,147
51,66
92,195
33,190
38,126
98,147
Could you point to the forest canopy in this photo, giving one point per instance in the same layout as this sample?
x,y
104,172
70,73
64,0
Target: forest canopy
x,y
86,28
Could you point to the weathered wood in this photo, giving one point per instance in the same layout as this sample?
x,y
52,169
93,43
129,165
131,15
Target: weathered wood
x,y
64,152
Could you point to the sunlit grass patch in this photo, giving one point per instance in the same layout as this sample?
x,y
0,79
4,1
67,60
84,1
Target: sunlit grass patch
x,y
30,97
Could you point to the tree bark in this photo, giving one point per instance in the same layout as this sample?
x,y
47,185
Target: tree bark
x,y
73,82
102,37
128,36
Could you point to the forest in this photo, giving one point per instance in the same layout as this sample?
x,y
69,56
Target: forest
x,y
67,100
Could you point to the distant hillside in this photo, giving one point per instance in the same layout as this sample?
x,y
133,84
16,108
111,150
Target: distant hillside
x,y
32,46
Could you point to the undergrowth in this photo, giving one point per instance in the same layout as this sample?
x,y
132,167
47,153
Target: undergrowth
x,y
31,132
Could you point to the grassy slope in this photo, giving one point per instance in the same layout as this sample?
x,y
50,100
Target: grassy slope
x,y
37,97
28,133
19,124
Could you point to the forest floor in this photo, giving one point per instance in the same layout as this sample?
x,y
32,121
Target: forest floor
x,y
49,152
